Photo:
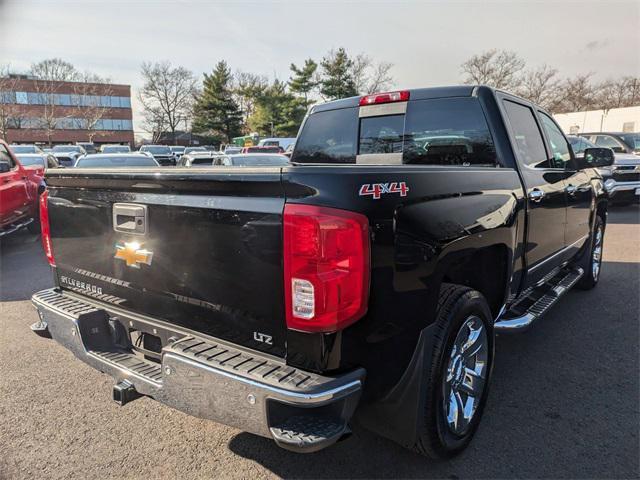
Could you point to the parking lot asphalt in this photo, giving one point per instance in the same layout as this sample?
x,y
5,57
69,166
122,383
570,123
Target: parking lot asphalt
x,y
564,401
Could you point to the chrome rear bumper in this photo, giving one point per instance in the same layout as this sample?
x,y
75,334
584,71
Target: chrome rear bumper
x,y
205,377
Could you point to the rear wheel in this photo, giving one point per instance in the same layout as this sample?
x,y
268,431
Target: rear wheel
x,y
592,261
458,378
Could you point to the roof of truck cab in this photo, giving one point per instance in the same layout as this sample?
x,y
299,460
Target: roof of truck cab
x,y
414,94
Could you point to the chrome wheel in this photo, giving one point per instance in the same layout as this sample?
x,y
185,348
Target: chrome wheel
x,y
596,256
465,376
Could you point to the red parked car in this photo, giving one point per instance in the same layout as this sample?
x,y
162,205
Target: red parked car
x,y
20,189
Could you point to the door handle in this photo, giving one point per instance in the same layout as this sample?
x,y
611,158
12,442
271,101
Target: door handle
x,y
536,195
571,189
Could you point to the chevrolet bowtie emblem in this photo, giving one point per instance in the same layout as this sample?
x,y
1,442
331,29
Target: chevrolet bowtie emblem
x,y
132,254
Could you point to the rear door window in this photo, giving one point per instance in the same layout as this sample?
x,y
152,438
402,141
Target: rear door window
x,y
527,136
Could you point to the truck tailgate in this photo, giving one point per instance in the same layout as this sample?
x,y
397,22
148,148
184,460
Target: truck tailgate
x,y
201,249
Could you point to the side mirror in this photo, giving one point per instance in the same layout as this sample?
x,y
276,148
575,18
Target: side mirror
x,y
598,157
5,167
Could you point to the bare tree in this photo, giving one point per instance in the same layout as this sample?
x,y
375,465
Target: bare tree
x,y
369,76
89,110
633,95
167,95
624,92
55,69
542,87
496,68
49,73
578,94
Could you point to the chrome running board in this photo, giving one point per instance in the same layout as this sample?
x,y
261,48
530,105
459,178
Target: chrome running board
x,y
14,227
539,299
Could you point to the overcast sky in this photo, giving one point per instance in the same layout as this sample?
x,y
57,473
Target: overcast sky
x,y
426,41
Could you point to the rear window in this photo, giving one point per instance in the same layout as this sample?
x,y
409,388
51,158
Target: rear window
x,y
27,160
448,131
96,162
202,161
328,137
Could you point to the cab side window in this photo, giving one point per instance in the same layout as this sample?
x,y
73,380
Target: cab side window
x,y
558,142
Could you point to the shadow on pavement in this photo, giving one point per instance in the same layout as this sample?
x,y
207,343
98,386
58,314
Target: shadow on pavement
x,y
563,403
629,214
23,266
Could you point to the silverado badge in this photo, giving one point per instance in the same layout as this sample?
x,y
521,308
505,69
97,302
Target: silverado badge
x,y
133,254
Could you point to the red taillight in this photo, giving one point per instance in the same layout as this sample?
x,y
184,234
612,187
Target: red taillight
x,y
387,97
326,267
45,229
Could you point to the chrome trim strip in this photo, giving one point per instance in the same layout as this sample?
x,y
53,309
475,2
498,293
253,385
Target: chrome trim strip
x,y
622,186
394,108
559,252
15,228
379,159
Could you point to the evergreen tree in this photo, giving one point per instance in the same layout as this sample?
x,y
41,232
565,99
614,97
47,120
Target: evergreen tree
x,y
277,112
216,111
337,75
304,80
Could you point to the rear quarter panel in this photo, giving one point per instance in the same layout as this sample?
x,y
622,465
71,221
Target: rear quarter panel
x,y
446,215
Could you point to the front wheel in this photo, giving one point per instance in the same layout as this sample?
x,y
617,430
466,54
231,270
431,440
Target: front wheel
x,y
458,378
592,262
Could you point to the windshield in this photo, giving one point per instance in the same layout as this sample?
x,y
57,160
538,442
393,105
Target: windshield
x,y
67,148
116,149
632,139
202,161
194,149
232,150
23,148
157,150
98,161
177,149
259,160
265,149
27,160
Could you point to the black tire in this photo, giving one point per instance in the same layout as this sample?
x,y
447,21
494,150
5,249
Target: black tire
x,y
591,275
456,305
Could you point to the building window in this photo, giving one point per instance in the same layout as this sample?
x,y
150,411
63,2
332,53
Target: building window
x,y
22,98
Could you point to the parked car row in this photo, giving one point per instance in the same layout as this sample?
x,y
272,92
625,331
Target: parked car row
x,y
622,179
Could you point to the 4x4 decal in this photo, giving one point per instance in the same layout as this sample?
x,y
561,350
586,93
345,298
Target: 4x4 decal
x,y
377,189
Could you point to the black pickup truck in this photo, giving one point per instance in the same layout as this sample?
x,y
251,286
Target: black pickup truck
x,y
365,282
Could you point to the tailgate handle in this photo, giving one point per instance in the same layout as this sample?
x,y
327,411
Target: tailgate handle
x,y
130,218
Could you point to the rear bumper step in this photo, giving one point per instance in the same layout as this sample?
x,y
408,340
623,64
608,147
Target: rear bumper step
x,y
205,377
